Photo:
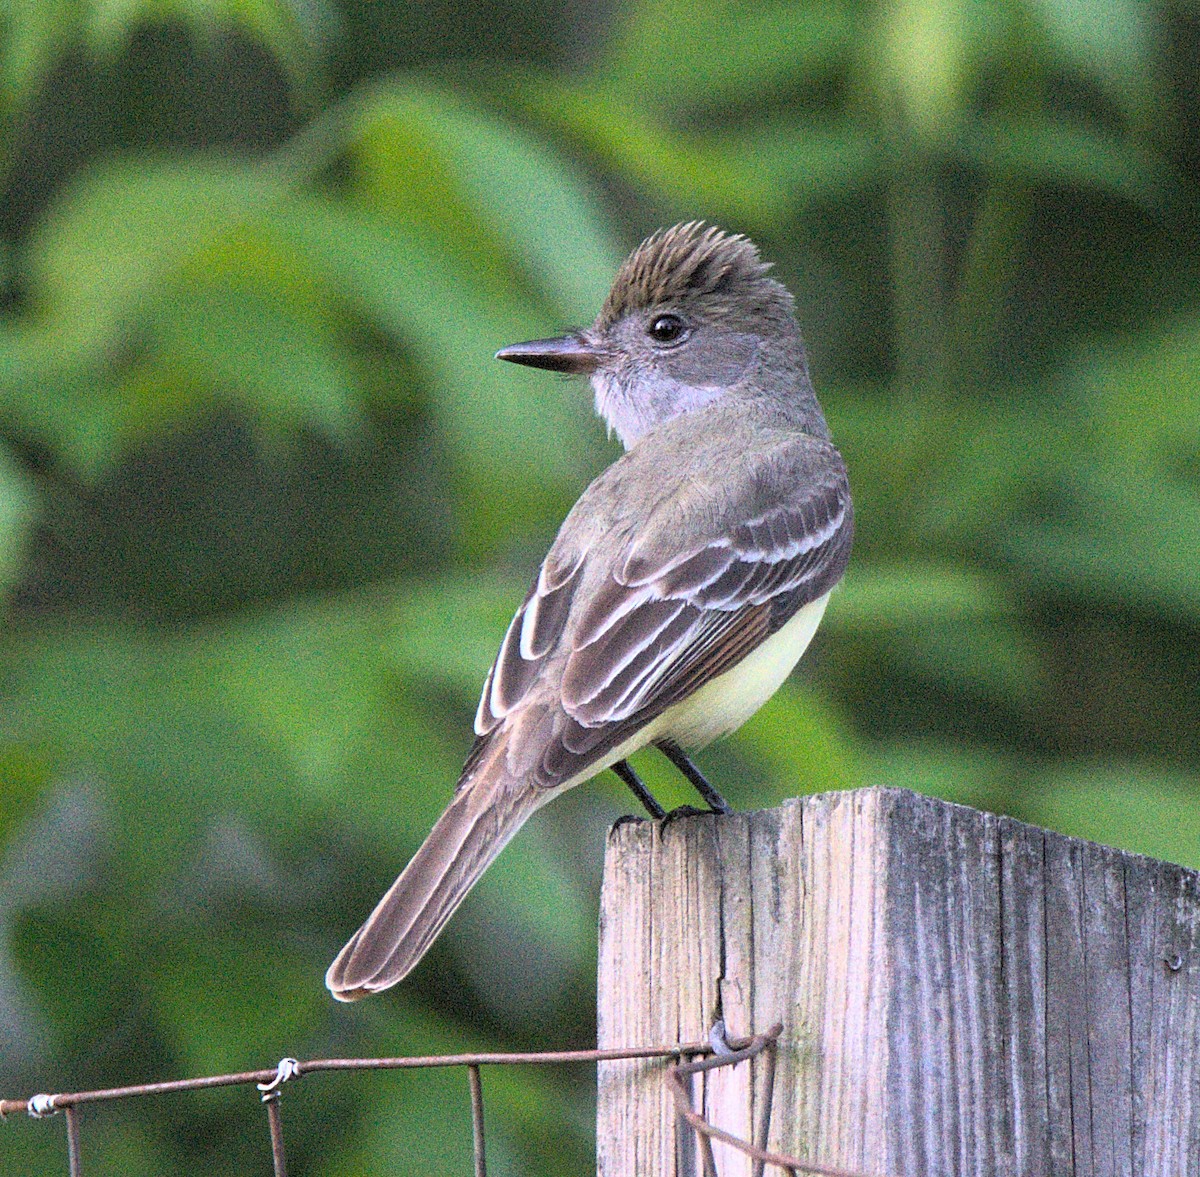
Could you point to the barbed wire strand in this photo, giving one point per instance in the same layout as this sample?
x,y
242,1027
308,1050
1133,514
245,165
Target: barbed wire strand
x,y
718,1052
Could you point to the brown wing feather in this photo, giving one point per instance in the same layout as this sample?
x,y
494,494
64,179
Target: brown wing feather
x,y
532,635
692,613
666,621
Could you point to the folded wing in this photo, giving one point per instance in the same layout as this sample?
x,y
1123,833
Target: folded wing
x,y
774,535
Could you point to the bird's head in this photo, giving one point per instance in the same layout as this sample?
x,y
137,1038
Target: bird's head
x,y
692,317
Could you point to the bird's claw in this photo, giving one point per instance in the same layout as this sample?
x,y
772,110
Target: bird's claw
x,y
682,811
626,818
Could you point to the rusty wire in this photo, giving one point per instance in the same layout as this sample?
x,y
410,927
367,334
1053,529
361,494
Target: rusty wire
x,y
475,1079
718,1053
275,1124
728,1055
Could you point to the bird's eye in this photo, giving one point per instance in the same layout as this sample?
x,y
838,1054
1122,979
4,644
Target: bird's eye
x,y
667,329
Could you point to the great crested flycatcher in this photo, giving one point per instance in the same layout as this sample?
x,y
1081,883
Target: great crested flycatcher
x,y
680,591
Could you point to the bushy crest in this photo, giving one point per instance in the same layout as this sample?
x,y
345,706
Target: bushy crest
x,y
683,261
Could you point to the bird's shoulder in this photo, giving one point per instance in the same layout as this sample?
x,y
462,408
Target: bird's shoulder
x,y
693,478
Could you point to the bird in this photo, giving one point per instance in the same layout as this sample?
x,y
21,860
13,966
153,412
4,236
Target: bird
x,y
680,591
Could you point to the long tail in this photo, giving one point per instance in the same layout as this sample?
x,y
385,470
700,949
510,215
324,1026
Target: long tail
x,y
484,814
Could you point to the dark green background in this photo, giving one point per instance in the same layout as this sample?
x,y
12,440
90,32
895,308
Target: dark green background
x,y
267,503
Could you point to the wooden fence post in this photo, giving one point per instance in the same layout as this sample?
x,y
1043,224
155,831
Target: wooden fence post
x,y
961,994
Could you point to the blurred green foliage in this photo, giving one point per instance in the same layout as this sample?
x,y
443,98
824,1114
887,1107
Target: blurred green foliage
x,y
266,502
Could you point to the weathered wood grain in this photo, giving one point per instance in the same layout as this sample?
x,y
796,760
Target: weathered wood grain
x,y
961,994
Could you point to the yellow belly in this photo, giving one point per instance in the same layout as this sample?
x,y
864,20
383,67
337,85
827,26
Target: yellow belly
x,y
725,703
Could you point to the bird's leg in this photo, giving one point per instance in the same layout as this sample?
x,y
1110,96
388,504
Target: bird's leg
x,y
635,783
678,757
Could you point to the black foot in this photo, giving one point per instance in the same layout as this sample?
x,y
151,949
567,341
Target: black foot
x,y
625,819
631,778
678,757
684,811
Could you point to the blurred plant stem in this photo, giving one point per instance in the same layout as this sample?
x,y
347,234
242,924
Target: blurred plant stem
x,y
980,306
916,233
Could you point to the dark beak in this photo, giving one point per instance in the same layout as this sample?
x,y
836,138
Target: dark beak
x,y
569,353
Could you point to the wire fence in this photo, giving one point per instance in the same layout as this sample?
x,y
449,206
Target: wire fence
x,y
689,1060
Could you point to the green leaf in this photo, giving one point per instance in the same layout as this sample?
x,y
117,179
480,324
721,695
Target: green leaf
x,y
957,624
265,998
25,775
927,54
315,684
451,628
909,595
105,248
33,36
1040,149
688,170
1124,539
991,659
754,175
801,163
503,429
309,679
1142,398
804,743
1109,41
286,368
39,33
500,191
677,56
277,719
403,1140
129,708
